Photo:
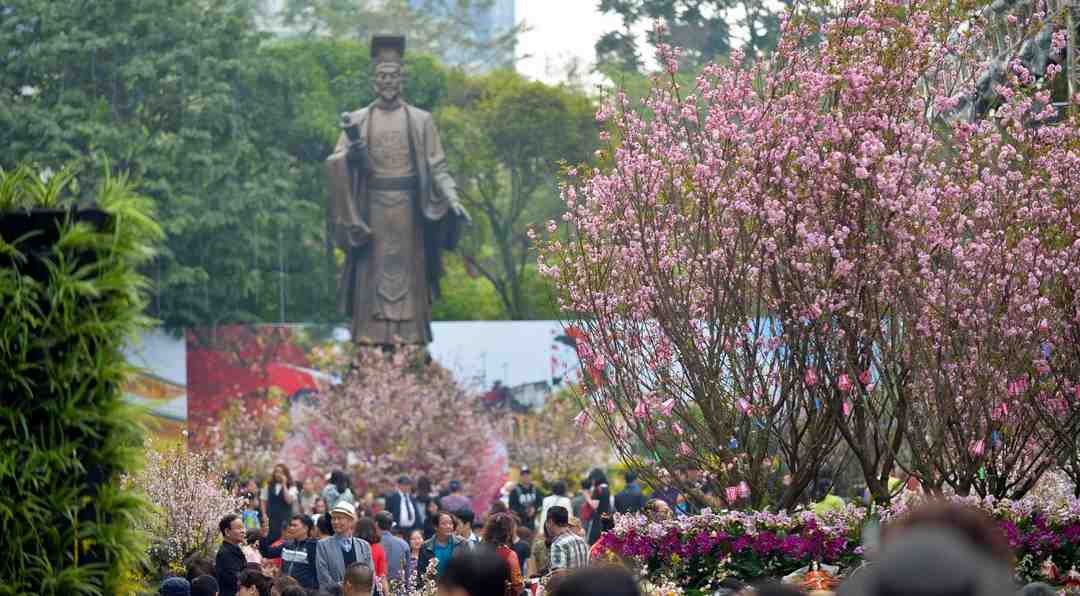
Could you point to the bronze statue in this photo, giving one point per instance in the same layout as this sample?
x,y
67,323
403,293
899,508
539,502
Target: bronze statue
x,y
393,209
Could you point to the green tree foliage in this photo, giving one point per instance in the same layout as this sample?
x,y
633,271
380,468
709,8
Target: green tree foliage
x,y
70,298
705,29
465,296
227,130
449,29
224,130
505,137
165,90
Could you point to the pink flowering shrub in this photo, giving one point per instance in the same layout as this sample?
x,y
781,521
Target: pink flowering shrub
x,y
700,551
247,436
389,416
553,444
189,499
393,414
811,250
696,552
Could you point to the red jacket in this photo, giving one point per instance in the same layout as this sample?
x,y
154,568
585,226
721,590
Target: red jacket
x,y
508,555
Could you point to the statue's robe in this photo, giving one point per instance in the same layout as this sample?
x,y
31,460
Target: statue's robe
x,y
390,213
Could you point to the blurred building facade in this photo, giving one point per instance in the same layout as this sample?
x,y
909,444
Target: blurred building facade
x,y
491,21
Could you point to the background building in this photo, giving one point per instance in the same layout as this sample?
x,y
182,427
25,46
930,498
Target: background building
x,y
491,21
481,49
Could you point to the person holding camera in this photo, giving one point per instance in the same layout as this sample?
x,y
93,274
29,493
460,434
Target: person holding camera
x,y
276,502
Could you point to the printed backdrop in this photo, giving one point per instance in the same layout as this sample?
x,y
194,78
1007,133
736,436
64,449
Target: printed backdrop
x,y
188,381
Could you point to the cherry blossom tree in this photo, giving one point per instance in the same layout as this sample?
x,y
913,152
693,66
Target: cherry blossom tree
x,y
554,444
247,436
186,489
812,249
995,308
393,414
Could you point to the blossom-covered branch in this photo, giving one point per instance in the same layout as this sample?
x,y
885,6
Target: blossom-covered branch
x,y
392,414
807,249
187,491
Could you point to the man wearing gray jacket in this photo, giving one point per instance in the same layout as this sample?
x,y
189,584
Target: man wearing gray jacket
x,y
397,550
335,553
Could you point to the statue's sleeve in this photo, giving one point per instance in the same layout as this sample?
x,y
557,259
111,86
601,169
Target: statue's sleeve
x,y
345,217
444,189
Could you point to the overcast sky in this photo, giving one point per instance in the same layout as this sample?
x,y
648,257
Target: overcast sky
x,y
560,31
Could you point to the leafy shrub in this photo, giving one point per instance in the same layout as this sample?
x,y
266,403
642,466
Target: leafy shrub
x,y
70,296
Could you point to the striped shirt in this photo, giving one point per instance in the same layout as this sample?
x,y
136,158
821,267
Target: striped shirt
x,y
568,551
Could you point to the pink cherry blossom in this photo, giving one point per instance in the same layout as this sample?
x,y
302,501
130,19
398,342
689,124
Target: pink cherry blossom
x,y
185,488
839,205
433,426
667,407
864,377
640,410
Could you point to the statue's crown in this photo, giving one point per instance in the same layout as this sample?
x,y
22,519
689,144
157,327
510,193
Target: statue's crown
x,y
387,49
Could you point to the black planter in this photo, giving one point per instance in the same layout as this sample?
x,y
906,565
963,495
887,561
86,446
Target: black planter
x,y
39,230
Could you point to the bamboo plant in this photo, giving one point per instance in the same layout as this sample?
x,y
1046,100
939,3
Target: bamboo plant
x,y
70,297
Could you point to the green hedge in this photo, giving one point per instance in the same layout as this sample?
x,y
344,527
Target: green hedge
x,y
67,307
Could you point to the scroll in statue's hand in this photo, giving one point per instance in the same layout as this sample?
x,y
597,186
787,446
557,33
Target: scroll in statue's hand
x,y
357,148
357,153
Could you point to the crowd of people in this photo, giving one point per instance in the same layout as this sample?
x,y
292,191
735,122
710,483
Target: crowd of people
x,y
308,534
318,537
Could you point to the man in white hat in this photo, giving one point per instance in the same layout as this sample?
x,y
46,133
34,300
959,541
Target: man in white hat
x,y
334,554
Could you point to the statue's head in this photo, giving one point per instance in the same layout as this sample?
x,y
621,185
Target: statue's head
x,y
387,59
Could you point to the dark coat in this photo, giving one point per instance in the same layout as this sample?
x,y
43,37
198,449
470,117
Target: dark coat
x,y
603,495
630,500
393,504
228,564
521,499
298,563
